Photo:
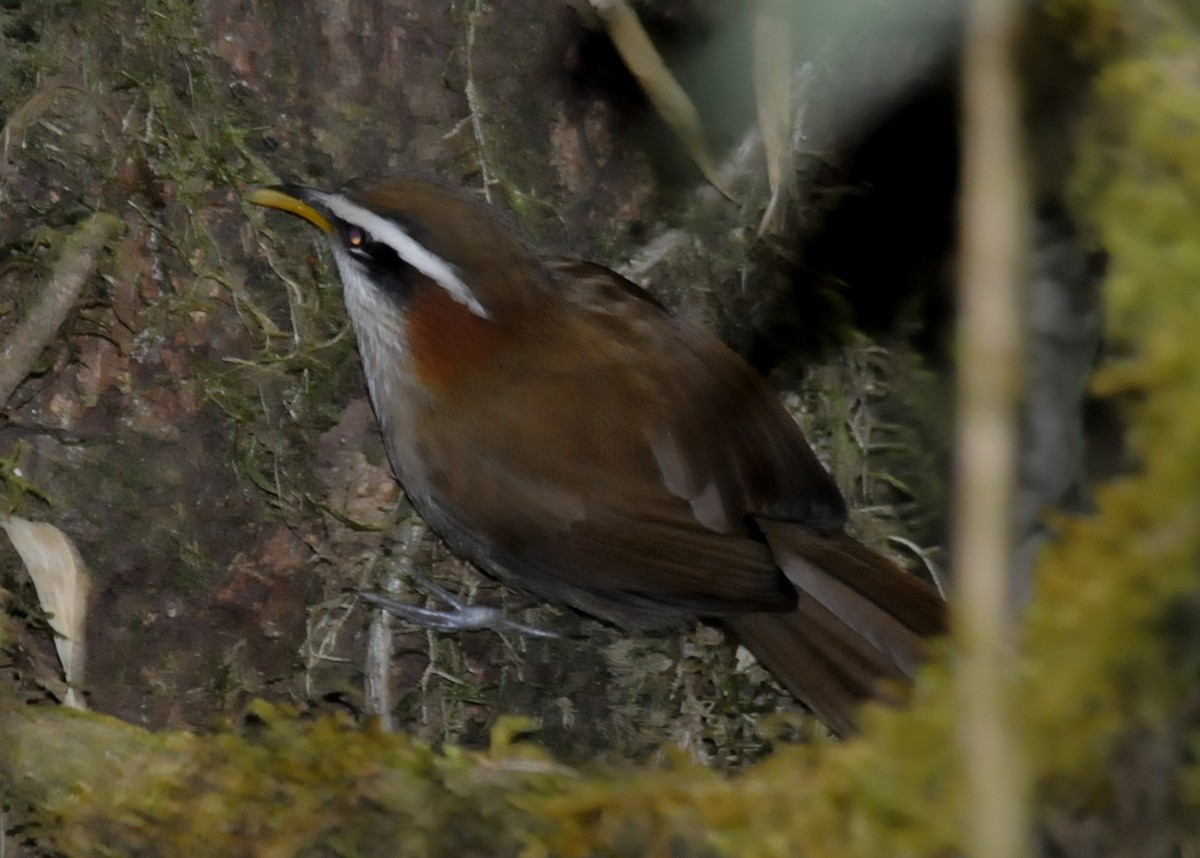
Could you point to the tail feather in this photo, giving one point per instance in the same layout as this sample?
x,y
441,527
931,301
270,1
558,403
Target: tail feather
x,y
860,622
813,654
910,600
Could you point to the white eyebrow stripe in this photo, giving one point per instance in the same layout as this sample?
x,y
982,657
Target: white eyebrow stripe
x,y
407,248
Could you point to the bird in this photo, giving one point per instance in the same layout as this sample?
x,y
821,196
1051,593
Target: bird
x,y
565,432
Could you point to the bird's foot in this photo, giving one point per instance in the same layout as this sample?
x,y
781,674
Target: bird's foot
x,y
461,617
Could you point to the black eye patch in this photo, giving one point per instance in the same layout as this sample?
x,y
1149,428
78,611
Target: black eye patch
x,y
387,271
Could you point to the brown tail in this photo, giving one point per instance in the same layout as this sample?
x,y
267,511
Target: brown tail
x,y
861,620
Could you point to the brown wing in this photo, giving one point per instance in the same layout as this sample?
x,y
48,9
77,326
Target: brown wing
x,y
665,443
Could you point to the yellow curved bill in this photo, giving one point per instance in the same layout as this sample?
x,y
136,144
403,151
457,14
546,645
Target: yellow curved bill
x,y
274,198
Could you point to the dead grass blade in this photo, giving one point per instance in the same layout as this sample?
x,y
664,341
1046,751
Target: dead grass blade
x,y
773,94
646,64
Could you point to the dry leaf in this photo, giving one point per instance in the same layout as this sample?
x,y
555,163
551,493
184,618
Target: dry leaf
x,y
646,64
62,583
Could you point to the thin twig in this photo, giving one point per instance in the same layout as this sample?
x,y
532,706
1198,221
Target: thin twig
x,y
377,666
989,373
20,351
474,103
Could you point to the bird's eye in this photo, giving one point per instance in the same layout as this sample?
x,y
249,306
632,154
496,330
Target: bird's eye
x,y
355,237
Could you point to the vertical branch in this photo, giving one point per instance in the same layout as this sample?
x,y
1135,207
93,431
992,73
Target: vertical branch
x,y
989,367
377,668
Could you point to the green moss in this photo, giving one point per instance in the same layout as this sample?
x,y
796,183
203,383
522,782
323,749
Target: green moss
x,y
16,486
286,786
